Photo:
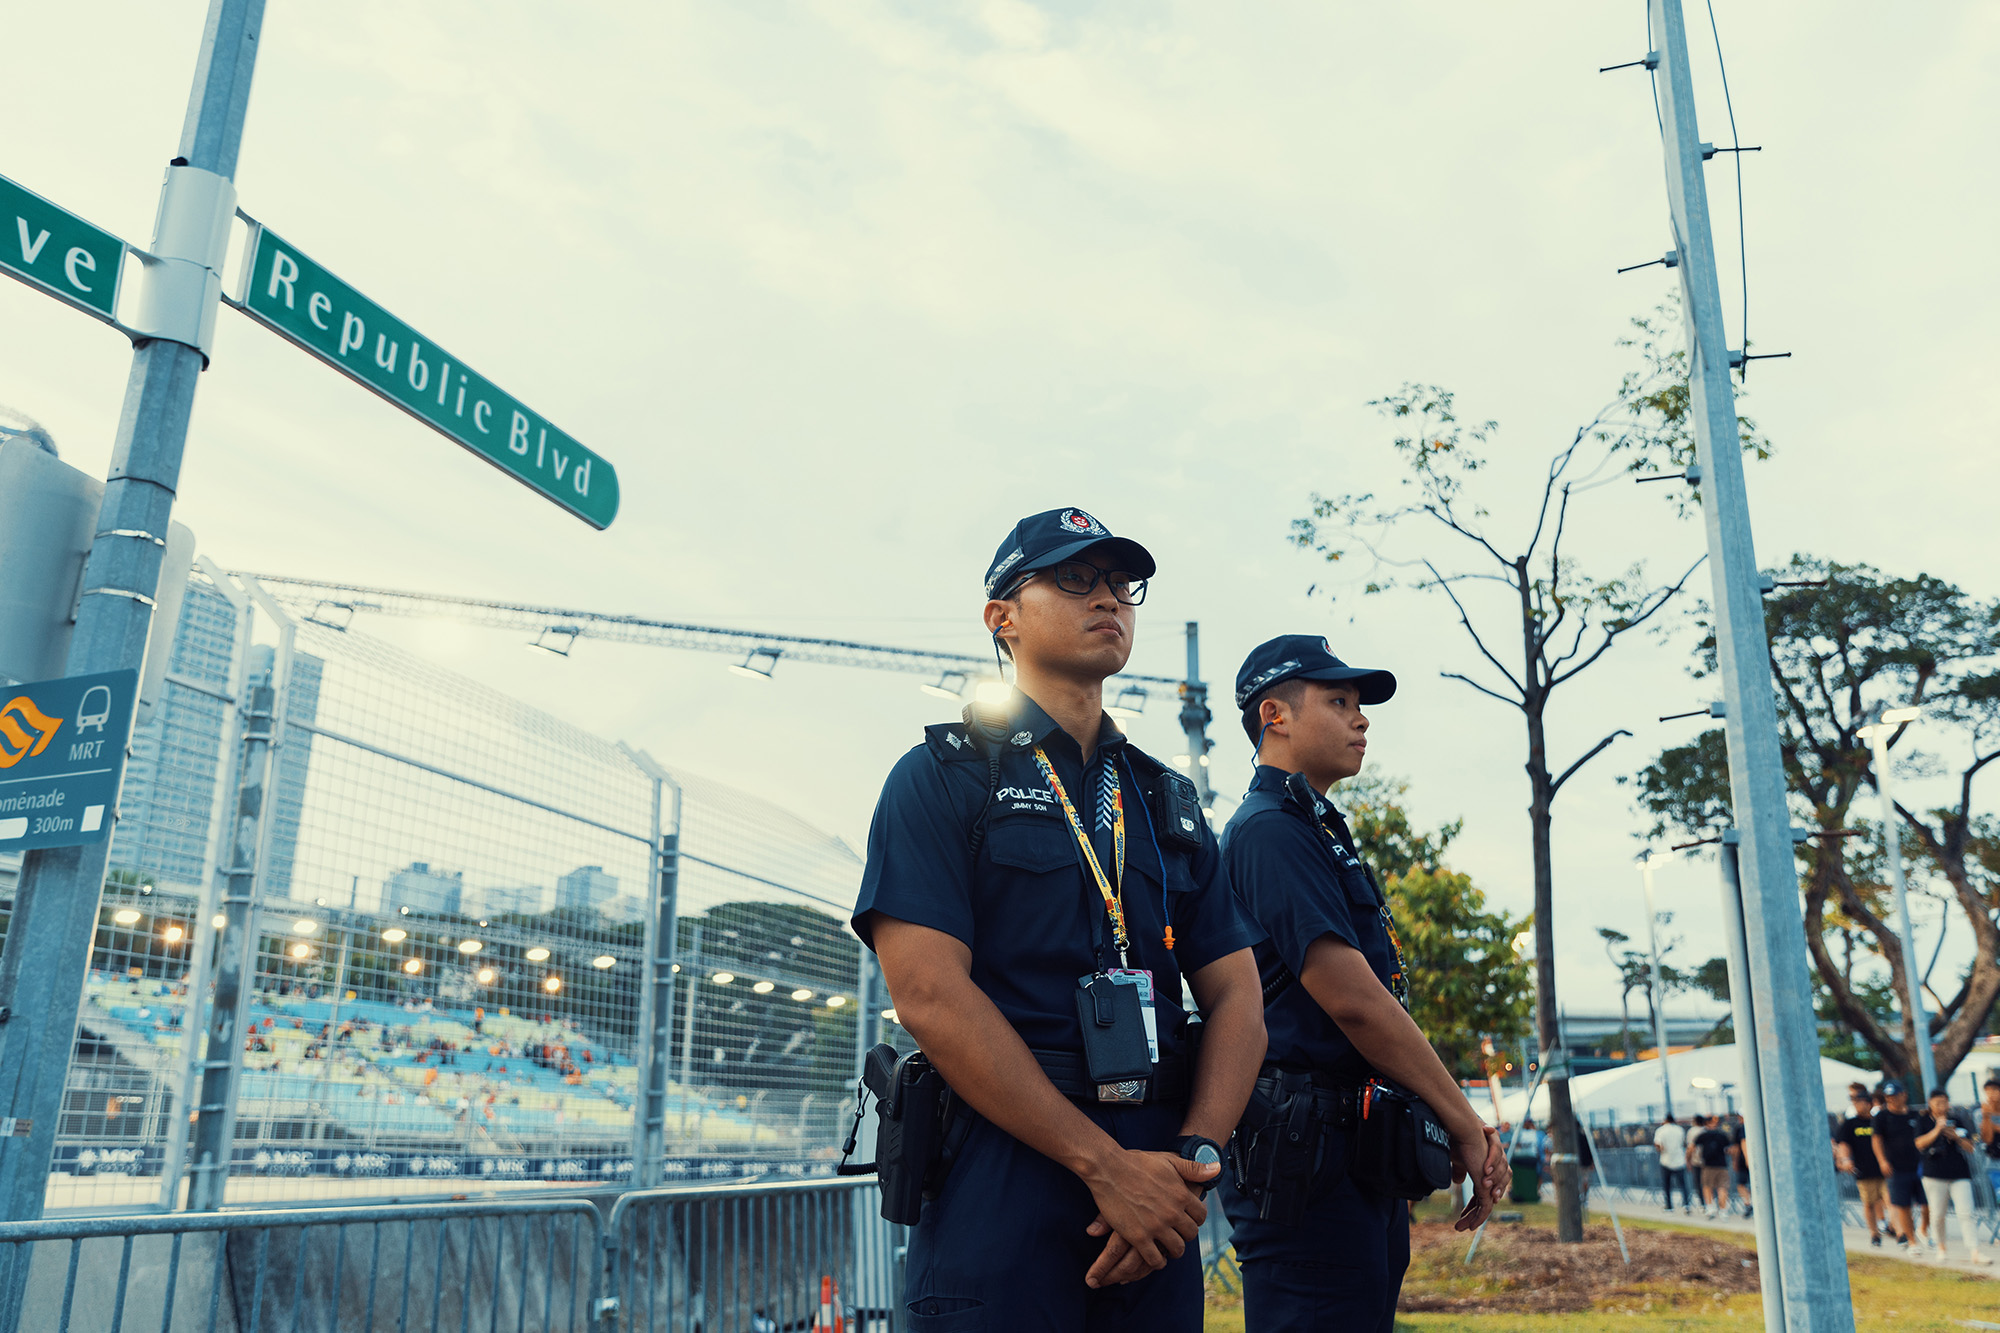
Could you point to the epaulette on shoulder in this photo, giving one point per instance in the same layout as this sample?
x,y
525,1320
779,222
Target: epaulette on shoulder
x,y
950,742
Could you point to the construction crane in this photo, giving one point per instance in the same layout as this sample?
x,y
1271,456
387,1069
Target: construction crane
x,y
556,629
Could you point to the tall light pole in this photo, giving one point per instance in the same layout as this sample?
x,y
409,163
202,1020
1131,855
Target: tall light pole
x,y
1659,996
1917,1024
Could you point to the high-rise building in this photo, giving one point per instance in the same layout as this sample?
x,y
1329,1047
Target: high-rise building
x,y
178,756
586,888
422,888
523,900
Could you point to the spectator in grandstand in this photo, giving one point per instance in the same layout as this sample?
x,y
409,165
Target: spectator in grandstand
x,y
1854,1153
1944,1141
1710,1155
1670,1141
1896,1151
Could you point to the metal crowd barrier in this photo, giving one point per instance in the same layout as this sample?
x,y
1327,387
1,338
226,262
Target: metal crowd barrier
x,y
748,1258
753,1257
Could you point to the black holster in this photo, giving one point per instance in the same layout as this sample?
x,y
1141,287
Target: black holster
x,y
1280,1150
920,1125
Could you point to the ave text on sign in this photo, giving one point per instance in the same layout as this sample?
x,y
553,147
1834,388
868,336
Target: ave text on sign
x,y
300,300
53,249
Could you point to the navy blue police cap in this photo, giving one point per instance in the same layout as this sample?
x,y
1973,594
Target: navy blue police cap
x,y
1306,657
1055,535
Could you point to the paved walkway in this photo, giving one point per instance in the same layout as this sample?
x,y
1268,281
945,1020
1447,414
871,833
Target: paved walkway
x,y
1646,1206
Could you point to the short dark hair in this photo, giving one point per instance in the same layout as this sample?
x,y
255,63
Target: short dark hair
x,y
1941,1092
1861,1088
1291,693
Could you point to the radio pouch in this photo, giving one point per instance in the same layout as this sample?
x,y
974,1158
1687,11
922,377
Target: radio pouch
x,y
1401,1148
1114,1030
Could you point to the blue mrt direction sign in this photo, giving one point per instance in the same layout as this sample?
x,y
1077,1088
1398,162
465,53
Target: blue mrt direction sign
x,y
62,752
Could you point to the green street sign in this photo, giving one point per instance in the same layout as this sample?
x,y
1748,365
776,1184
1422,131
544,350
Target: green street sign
x,y
299,300
57,251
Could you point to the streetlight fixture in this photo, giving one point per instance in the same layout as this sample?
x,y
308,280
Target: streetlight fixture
x,y
1659,995
305,925
470,946
723,978
765,987
1883,723
537,955
603,961
395,935
126,916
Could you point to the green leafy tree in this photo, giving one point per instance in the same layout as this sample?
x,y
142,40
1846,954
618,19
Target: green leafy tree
x,y
1844,637
1466,981
1562,618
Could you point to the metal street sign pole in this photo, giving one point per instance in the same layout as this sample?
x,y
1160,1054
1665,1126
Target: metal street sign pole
x,y
1659,996
1806,1209
56,901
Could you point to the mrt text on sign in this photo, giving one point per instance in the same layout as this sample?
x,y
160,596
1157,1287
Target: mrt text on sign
x,y
300,300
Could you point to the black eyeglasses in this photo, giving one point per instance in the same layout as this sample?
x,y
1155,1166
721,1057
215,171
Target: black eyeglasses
x,y
1079,578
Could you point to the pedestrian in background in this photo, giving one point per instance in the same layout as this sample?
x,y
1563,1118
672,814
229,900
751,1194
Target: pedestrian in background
x,y
1854,1153
1711,1155
1739,1161
1670,1141
1944,1139
1895,1140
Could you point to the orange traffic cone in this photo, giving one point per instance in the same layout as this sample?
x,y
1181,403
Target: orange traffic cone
x,y
829,1320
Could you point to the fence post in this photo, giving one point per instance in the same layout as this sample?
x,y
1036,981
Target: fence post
x,y
654,1035
213,1132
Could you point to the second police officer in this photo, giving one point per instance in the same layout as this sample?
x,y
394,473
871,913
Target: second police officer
x,y
1042,897
1321,1226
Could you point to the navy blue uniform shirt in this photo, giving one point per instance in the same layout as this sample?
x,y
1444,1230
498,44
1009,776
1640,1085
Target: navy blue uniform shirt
x,y
1026,910
1299,886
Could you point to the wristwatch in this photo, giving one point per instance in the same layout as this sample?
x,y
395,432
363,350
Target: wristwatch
x,y
1202,1152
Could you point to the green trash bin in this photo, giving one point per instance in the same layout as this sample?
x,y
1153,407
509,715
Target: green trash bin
x,y
1527,1180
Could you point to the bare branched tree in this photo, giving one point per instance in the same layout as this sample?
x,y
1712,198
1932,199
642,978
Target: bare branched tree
x,y
1439,539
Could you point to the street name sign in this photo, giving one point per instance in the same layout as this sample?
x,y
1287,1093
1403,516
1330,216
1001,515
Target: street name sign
x,y
53,249
62,751
301,301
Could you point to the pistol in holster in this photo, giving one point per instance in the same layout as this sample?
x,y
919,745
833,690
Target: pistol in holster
x,y
1279,1151
920,1125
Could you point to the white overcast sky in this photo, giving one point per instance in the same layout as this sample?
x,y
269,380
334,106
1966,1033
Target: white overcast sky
x,y
845,288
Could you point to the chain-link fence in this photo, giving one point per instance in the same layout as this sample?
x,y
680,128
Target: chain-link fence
x,y
451,956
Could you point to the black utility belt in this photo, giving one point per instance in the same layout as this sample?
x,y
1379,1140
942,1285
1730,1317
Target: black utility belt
x,y
1169,1082
1327,1102
1285,1155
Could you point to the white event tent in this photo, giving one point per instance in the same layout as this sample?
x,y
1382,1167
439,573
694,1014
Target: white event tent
x,y
1706,1080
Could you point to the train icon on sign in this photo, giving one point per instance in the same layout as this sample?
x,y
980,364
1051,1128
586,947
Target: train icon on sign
x,y
95,709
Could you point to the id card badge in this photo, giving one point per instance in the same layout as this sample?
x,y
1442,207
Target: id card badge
x,y
1132,976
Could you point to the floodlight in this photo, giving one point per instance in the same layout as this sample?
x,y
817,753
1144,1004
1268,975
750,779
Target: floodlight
x,y
174,934
890,1014
1705,1084
395,935
758,665
414,966
487,976
951,685
219,920
125,916
765,987
1897,716
1131,702
537,954
723,978
603,961
301,950
836,1001
305,925
802,994
470,946
552,983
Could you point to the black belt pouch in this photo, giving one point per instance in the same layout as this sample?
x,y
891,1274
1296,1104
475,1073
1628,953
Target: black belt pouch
x,y
1401,1148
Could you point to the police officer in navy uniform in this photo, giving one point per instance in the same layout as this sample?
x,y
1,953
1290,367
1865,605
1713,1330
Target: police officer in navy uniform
x,y
1336,996
1028,871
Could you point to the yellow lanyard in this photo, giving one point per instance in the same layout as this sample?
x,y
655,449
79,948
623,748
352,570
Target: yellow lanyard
x,y
1114,901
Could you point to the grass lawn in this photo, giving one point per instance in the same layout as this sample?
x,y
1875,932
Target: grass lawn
x,y
1888,1293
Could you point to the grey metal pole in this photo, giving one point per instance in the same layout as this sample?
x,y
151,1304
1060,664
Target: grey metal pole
x,y
687,1028
656,1001
214,1111
1802,1188
55,905
1743,1010
1917,1020
1195,717
1659,994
